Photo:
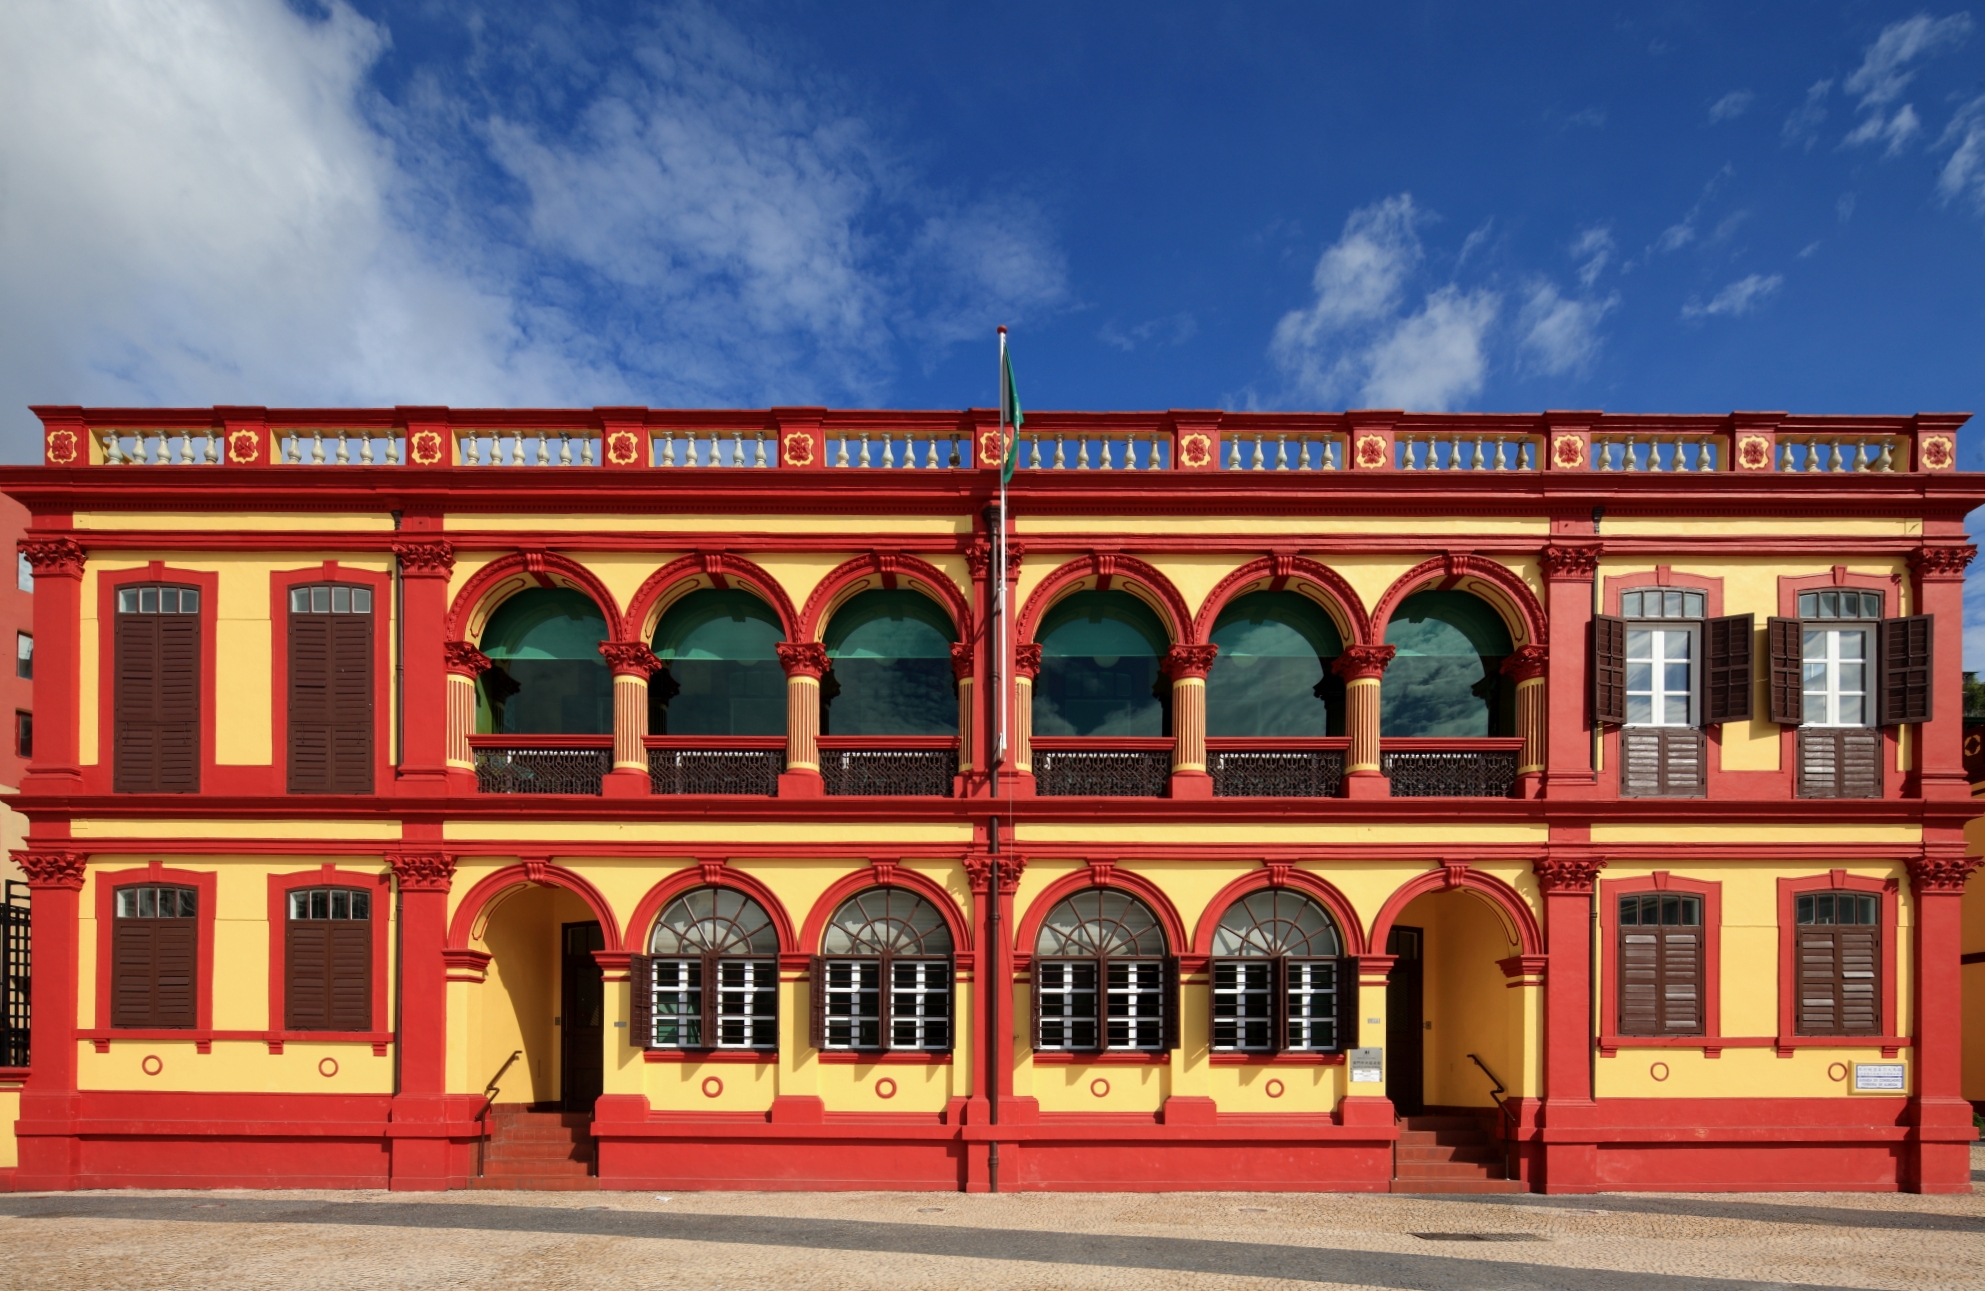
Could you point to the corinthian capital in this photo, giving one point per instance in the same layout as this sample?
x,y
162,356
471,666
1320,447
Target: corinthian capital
x,y
425,559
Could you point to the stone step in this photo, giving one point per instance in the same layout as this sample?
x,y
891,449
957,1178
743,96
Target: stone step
x,y
1457,1185
1429,1152
1444,1122
563,1169
536,1183
537,1134
1455,1138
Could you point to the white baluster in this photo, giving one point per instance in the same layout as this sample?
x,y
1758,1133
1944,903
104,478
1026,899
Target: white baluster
x,y
737,448
1061,453
1234,453
1886,462
1815,456
586,451
863,461
392,450
1835,463
1329,454
1406,462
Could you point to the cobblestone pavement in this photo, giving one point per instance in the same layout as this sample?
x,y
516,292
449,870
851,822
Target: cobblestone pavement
x,y
1610,1242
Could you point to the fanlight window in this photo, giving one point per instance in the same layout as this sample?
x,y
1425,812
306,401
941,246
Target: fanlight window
x,y
546,675
1102,977
720,667
885,979
1447,678
713,975
891,671
1099,667
1272,675
1278,981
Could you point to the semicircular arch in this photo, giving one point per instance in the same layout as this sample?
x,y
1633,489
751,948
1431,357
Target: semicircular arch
x,y
859,881
1508,903
495,886
688,879
1099,572
1027,929
1491,581
891,572
1304,577
1335,904
506,576
695,573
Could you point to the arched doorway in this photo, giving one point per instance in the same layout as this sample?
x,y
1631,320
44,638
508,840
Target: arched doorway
x,y
542,998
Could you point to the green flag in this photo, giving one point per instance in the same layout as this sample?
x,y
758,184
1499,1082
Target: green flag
x,y
1010,412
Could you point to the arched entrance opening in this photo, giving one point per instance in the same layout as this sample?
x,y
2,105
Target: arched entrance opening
x,y
542,997
1456,1023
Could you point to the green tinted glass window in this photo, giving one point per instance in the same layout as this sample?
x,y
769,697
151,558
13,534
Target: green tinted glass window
x,y
1272,674
547,676
1099,667
1445,680
720,667
891,667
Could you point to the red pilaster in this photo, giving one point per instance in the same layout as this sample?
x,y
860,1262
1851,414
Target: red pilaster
x,y
1566,880
58,616
49,1149
992,967
1568,574
420,1131
424,570
1939,762
1938,1113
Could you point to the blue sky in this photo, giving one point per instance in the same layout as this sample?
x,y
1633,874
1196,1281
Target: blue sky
x,y
1685,207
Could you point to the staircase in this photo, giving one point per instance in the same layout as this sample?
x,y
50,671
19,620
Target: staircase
x,y
1451,1152
538,1151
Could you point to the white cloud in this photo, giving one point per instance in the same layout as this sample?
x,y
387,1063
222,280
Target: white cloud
x,y
1963,174
1896,130
1737,299
1171,330
1676,236
1560,335
1593,249
1356,340
1882,76
1731,106
1803,126
1843,208
1808,251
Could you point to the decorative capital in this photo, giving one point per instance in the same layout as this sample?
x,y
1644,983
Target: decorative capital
x,y
422,871
55,557
978,869
1452,873
1944,563
961,660
712,869
1567,873
1183,661
464,659
1527,664
1027,659
629,658
1362,661
1278,873
1570,564
884,871
425,559
52,869
978,559
1941,873
803,658
1101,871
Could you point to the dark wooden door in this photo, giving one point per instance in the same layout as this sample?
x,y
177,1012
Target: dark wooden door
x,y
583,1001
1405,1028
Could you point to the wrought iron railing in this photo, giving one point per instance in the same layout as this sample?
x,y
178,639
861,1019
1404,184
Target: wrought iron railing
x,y
1276,769
16,963
736,768
552,764
1482,768
925,768
1082,768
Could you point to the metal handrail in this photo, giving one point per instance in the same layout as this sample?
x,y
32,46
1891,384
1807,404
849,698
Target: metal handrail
x,y
489,1093
1499,1096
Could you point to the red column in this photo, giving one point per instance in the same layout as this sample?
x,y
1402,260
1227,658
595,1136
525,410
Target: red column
x,y
1187,666
805,663
424,570
1939,1114
1528,669
465,665
420,1130
1939,759
1568,574
1363,669
49,1150
632,664
58,618
1566,880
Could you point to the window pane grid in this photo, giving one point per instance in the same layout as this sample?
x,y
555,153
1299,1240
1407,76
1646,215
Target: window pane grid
x,y
330,598
1312,1004
1836,676
1136,1001
156,903
920,1004
678,1007
1659,676
1837,908
1661,603
1244,1005
329,903
158,599
854,1004
747,1003
1837,604
1066,994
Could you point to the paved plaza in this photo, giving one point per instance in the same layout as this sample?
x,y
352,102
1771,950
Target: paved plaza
x,y
1612,1242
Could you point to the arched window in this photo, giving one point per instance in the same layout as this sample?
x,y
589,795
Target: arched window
x,y
885,979
1102,978
546,675
1276,975
720,667
1099,667
713,975
891,667
1272,675
1447,678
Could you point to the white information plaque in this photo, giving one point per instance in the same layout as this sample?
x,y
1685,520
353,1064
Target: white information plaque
x,y
1877,1078
1367,1066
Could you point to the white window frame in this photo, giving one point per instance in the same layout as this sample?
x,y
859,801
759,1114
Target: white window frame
x,y
1247,986
685,990
757,976
1826,698
1691,629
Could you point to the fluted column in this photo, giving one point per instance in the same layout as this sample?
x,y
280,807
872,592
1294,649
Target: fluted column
x,y
1026,667
1187,666
1362,667
1526,668
961,670
805,663
465,664
632,663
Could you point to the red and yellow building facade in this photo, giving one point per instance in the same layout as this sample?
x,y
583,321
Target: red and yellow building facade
x,y
1566,668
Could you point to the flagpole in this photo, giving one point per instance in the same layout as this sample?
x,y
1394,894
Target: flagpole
x,y
999,581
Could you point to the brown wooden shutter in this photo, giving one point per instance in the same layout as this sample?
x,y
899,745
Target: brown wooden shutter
x,y
1278,1011
1727,681
1818,979
330,703
307,975
1840,762
351,703
1905,659
1681,980
1609,669
1169,1028
309,703
350,963
135,709
1639,976
1348,987
885,999
1860,980
1661,762
177,972
816,1026
179,704
641,1001
1033,1003
134,972
1786,643
1660,978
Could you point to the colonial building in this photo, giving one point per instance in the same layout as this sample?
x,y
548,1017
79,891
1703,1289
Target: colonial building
x,y
639,798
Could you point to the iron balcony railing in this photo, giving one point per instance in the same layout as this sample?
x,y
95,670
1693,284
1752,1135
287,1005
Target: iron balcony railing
x,y
1451,768
564,764
740,764
1276,768
1097,767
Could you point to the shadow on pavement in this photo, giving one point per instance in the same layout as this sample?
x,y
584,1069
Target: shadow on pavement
x,y
1760,1212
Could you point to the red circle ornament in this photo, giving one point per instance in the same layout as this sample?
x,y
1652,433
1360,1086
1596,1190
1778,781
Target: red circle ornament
x,y
1658,1070
1274,1089
327,1067
1936,453
61,446
1836,1072
712,1086
885,1088
1099,1087
152,1064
